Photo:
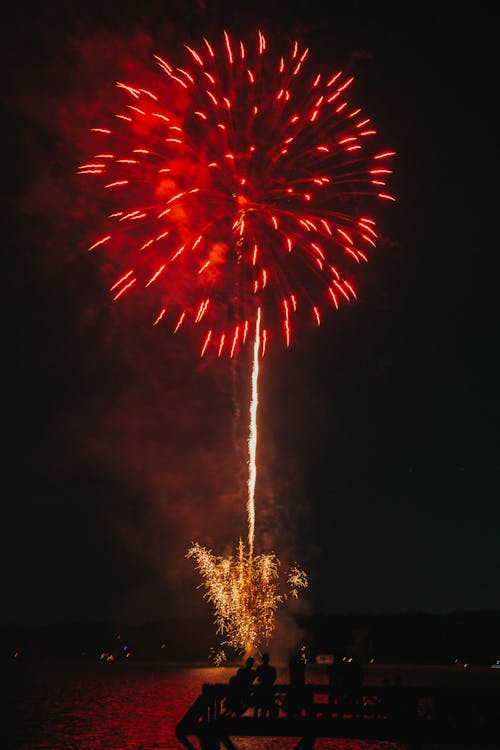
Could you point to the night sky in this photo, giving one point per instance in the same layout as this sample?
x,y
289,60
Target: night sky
x,y
378,455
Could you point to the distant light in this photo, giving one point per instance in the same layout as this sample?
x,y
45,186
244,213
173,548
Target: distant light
x,y
324,658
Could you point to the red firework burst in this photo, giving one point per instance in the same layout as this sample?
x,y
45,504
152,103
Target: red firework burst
x,y
241,180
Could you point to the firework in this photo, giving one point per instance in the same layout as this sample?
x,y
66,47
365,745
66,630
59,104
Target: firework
x,y
240,187
245,592
241,179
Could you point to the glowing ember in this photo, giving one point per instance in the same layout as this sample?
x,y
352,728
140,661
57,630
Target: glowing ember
x,y
245,592
241,179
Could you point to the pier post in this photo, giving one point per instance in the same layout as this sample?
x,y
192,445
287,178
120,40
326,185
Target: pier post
x,y
209,742
306,743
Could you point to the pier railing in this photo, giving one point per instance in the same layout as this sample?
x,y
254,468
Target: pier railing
x,y
411,715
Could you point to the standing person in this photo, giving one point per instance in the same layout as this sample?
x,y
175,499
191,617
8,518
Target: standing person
x,y
353,684
336,679
354,673
297,672
246,675
297,667
239,691
266,677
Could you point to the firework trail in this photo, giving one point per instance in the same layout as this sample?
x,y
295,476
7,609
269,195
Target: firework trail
x,y
239,189
252,440
240,179
245,589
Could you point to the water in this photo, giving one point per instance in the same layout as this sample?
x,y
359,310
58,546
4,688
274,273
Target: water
x,y
121,706
101,707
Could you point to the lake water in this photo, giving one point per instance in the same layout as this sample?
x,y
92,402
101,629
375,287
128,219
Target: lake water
x,y
123,706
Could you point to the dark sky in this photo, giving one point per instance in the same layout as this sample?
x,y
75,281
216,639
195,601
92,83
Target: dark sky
x,y
378,460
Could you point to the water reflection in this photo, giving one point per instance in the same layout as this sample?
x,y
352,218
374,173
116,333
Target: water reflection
x,y
116,707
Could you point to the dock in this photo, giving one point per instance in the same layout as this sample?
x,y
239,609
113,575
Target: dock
x,y
412,716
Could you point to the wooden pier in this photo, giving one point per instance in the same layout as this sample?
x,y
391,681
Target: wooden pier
x,y
413,716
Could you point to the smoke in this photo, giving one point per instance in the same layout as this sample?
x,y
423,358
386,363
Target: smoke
x,y
288,637
137,431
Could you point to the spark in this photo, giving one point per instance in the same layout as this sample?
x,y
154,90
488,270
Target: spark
x,y
245,591
187,164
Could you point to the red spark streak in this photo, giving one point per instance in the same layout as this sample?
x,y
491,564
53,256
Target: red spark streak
x,y
240,178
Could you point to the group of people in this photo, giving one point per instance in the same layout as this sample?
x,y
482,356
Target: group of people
x,y
345,680
345,675
254,687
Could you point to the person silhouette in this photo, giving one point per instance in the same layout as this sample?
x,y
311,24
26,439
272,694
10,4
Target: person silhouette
x,y
297,667
246,676
247,673
353,684
297,672
239,691
354,675
336,677
266,677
